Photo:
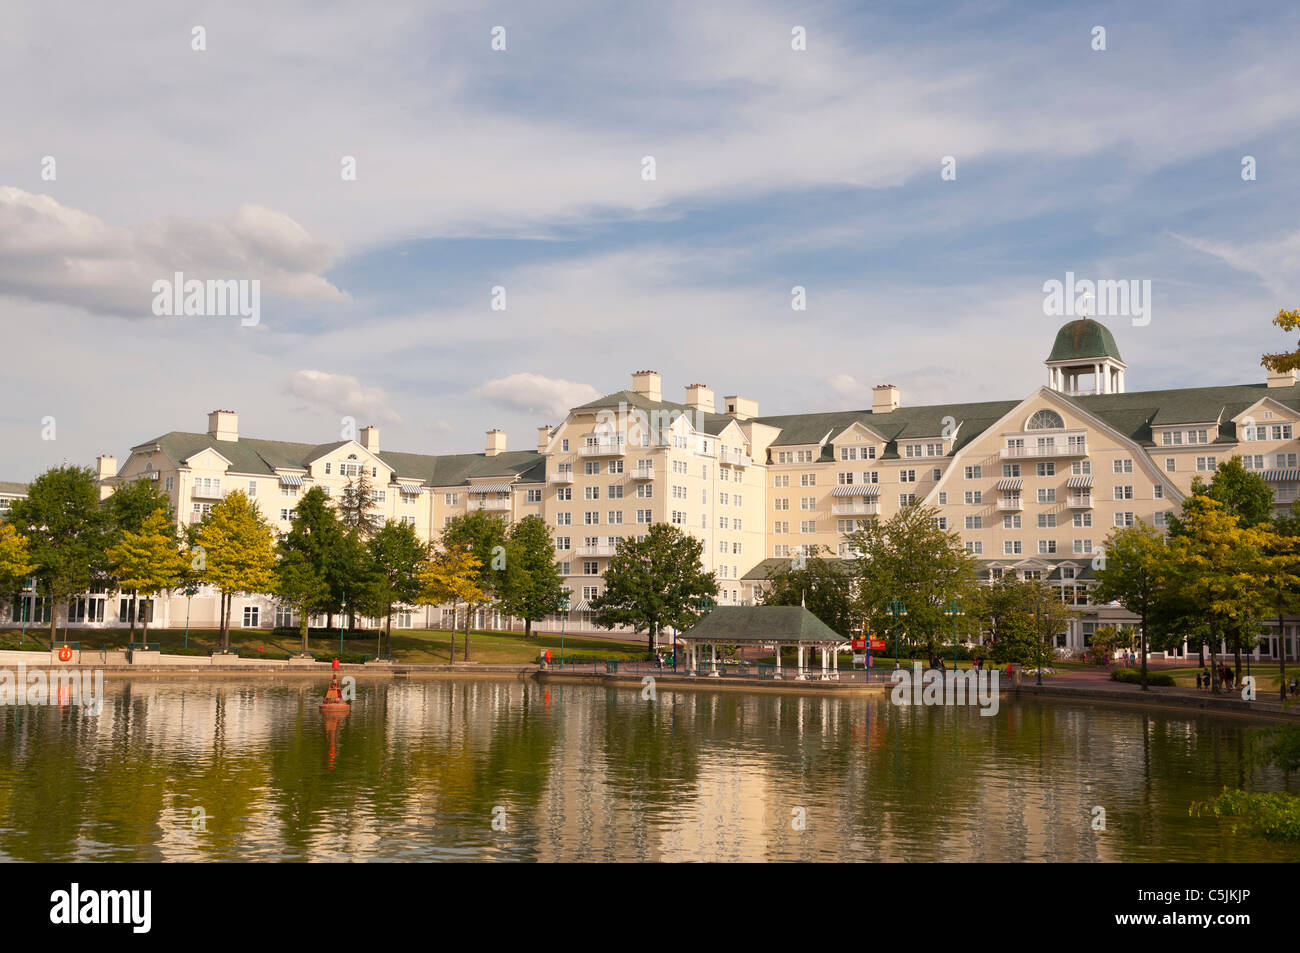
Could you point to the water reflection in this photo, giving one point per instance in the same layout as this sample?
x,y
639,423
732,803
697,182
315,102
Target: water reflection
x,y
198,769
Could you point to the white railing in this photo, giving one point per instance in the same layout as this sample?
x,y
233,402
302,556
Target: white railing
x,y
1053,448
1011,503
642,473
855,509
1080,502
596,550
602,449
735,458
490,505
562,476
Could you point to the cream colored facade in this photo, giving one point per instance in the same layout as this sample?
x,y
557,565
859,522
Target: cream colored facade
x,y
1032,486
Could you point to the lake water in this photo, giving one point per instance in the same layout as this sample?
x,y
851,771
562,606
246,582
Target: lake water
x,y
201,769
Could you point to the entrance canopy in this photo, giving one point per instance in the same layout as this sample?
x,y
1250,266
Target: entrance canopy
x,y
760,627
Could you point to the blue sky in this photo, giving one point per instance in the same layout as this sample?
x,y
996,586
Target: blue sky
x,y
522,169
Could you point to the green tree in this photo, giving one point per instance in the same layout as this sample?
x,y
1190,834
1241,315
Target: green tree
x,y
131,504
68,534
824,587
450,576
536,588
655,582
394,555
300,584
16,564
1220,564
1021,617
357,505
1136,571
484,535
238,552
1243,493
148,561
1280,575
318,537
909,558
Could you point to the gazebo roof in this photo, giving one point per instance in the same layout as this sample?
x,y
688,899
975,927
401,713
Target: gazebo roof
x,y
762,624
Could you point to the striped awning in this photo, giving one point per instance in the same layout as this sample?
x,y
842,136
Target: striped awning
x,y
490,488
1280,476
1079,483
409,489
582,605
857,489
1009,484
290,479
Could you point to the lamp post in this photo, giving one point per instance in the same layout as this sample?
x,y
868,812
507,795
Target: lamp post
x,y
954,609
343,615
564,617
1038,635
896,609
28,609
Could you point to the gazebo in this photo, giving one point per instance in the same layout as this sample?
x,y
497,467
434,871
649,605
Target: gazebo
x,y
761,627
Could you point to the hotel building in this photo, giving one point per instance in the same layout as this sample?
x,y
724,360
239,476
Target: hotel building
x,y
1033,485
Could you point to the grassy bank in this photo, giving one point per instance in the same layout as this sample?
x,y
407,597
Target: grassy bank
x,y
409,645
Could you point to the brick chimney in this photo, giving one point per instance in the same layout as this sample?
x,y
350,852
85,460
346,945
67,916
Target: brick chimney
x,y
1281,378
544,435
224,425
885,399
648,384
742,408
105,466
496,442
700,398
369,438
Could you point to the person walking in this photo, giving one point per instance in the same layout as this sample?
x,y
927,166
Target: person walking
x,y
1198,680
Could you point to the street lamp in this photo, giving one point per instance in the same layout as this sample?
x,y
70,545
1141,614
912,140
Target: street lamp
x,y
954,609
896,609
343,614
29,606
1038,635
564,617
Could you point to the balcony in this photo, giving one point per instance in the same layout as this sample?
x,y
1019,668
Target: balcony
x,y
735,458
1080,502
490,505
207,493
642,473
561,476
855,509
1051,448
596,550
1012,504
603,448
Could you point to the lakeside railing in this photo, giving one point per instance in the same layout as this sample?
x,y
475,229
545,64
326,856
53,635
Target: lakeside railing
x,y
723,669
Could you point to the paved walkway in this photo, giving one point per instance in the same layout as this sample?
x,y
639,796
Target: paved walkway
x,y
1096,682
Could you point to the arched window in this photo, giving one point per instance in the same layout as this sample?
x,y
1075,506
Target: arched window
x,y
1046,420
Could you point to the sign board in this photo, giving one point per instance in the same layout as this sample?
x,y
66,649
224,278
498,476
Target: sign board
x,y
877,645
859,644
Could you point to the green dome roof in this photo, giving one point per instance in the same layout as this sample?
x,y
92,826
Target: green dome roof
x,y
1083,339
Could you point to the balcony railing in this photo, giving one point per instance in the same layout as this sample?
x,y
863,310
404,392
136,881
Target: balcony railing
x,y
596,550
1013,503
603,449
208,493
1079,502
490,505
855,509
562,476
735,458
1051,449
642,473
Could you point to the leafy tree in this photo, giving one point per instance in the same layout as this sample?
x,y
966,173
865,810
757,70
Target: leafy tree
x,y
909,558
1280,575
655,582
300,584
1107,640
536,589
1137,571
824,587
319,538
1243,493
1219,564
16,564
150,560
1286,361
484,535
450,575
1021,617
68,533
130,506
238,551
394,555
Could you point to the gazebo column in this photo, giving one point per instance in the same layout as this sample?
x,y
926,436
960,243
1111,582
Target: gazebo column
x,y
776,672
802,677
713,646
825,665
835,662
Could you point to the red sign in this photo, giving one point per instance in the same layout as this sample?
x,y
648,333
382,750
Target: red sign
x,y
859,644
65,654
877,645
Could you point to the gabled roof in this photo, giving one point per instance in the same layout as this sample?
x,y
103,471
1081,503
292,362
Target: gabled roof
x,y
13,489
251,455
1134,414
905,423
729,624
712,424
764,569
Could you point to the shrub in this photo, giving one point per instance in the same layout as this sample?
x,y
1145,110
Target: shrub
x,y
1134,676
1274,815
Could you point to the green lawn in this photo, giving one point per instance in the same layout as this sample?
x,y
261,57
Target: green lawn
x,y
409,645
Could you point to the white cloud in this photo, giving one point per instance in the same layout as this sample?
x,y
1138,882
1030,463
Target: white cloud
x,y
343,394
534,393
1275,262
51,252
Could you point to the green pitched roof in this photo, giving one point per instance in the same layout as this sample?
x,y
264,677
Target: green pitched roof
x,y
13,489
251,455
730,624
708,423
1083,339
